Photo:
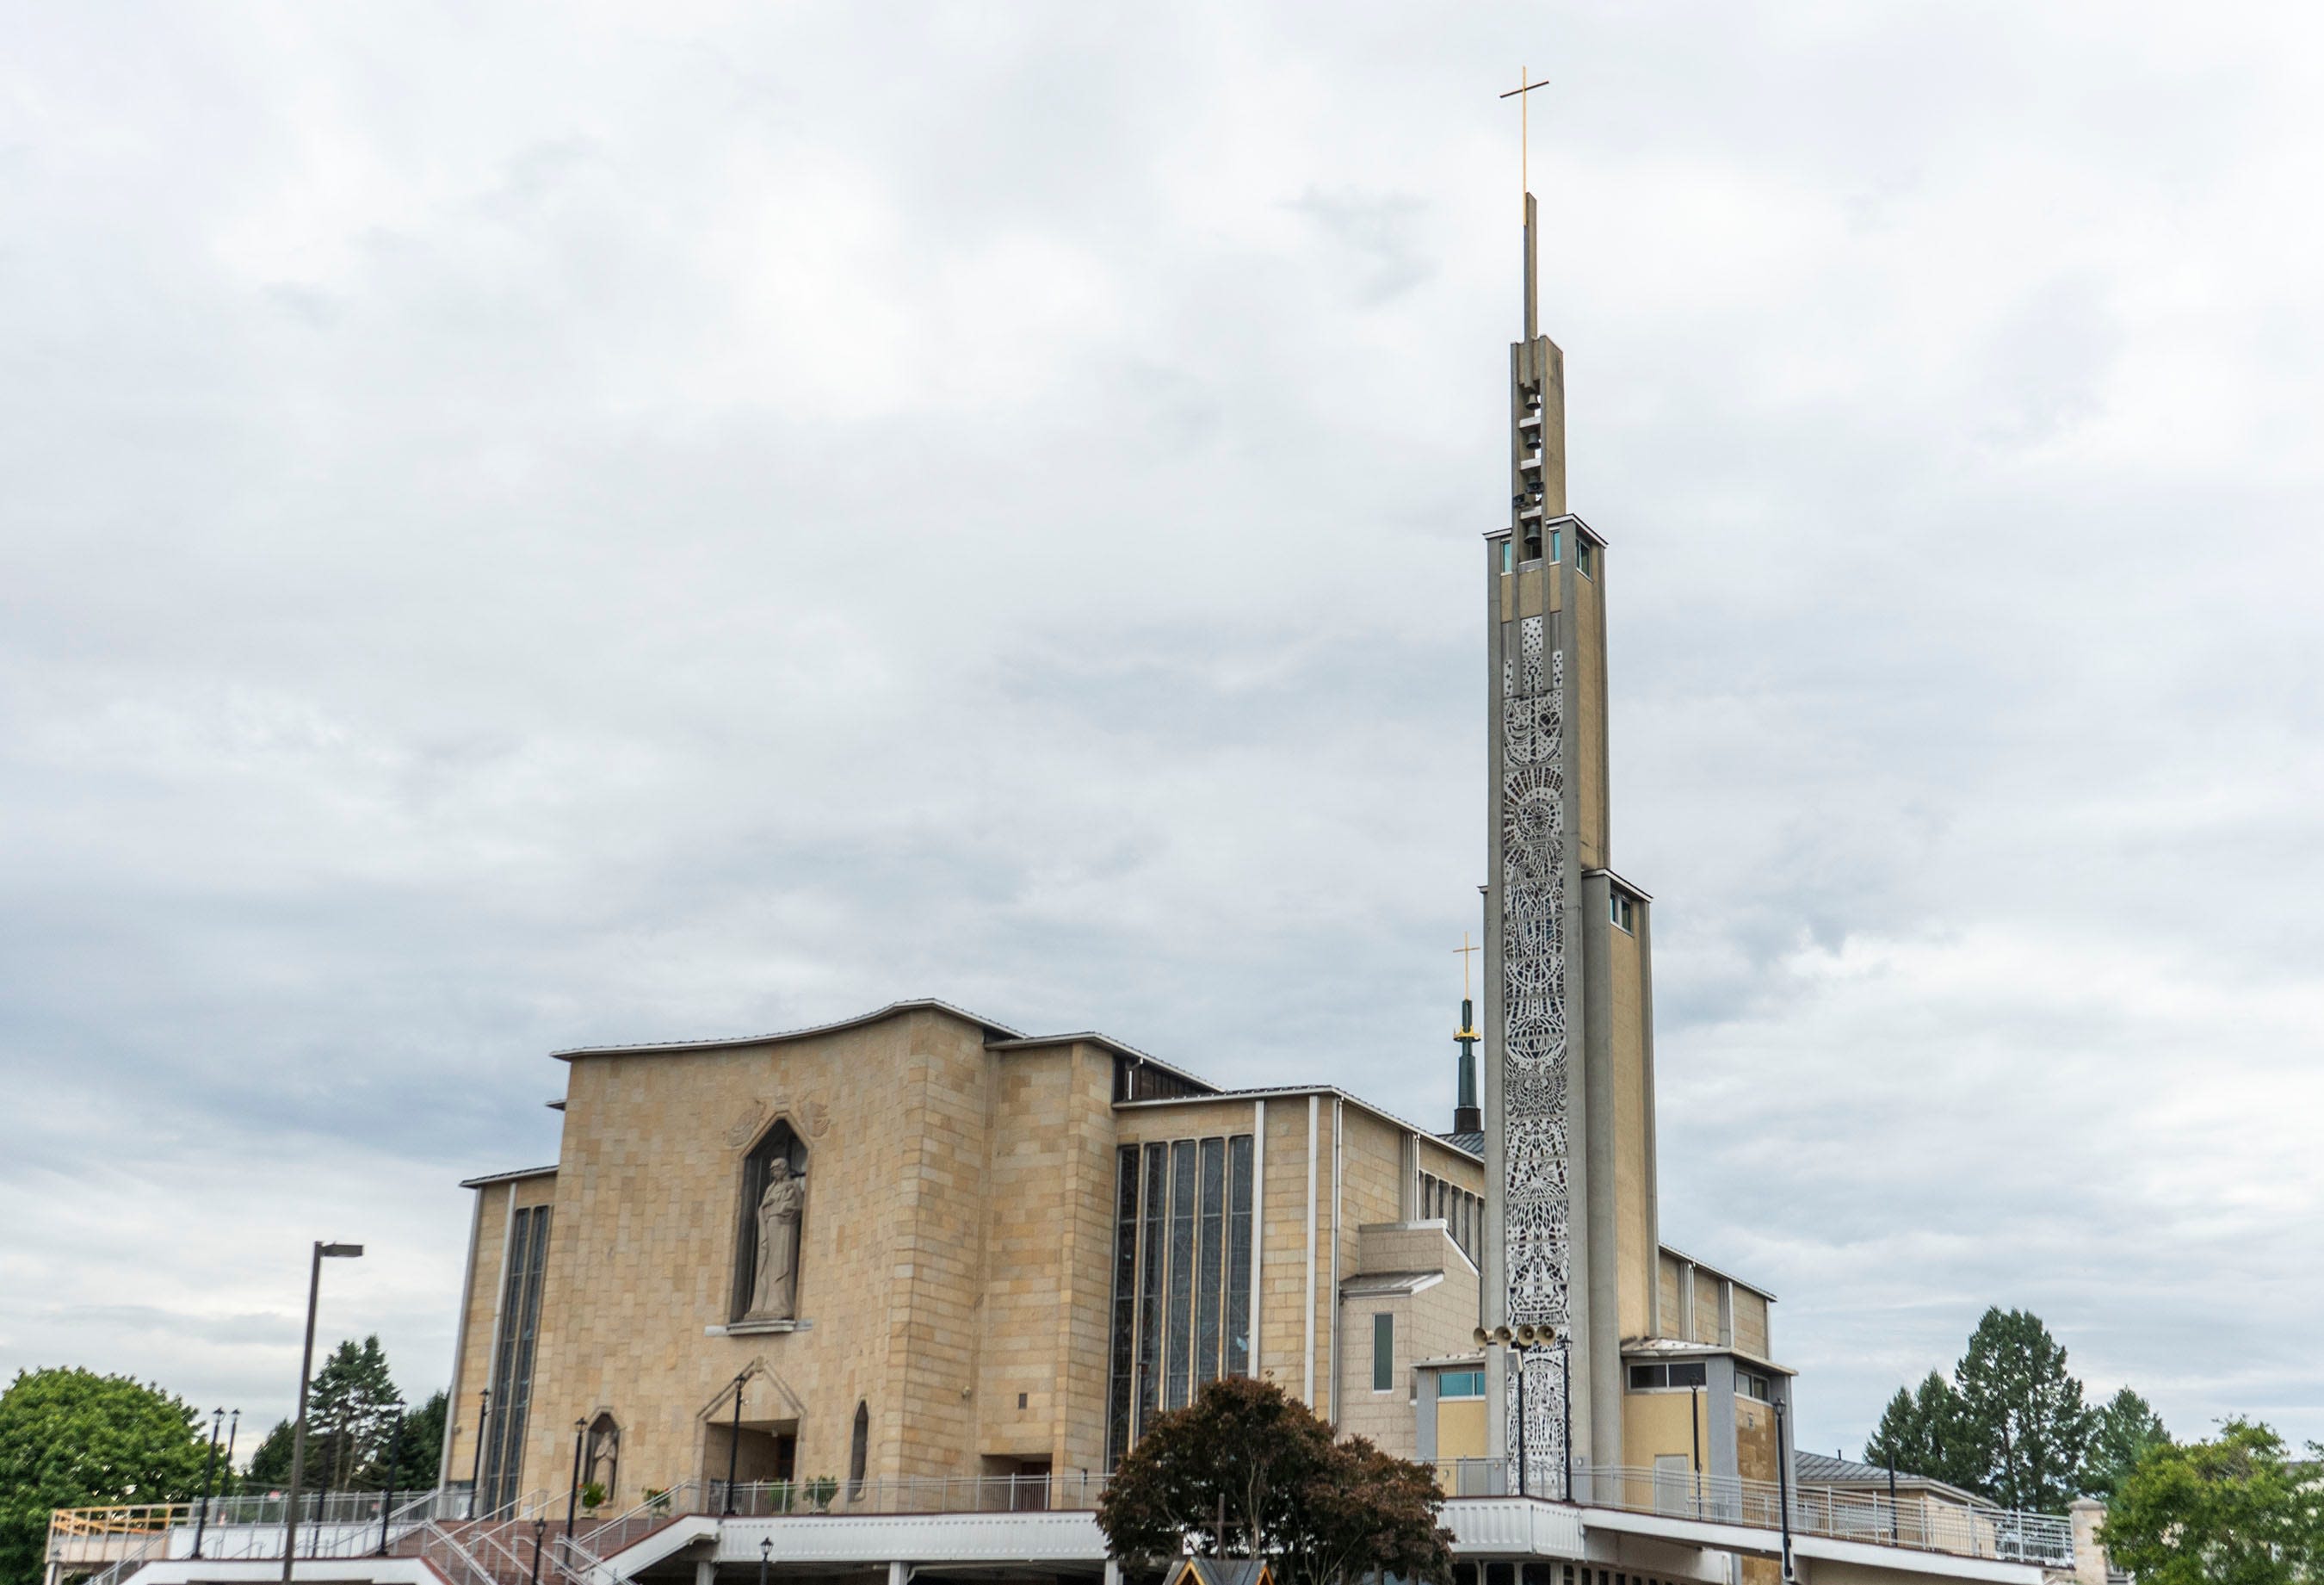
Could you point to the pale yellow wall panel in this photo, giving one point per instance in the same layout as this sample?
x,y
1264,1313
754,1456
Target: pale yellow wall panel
x,y
1656,1426
1459,1428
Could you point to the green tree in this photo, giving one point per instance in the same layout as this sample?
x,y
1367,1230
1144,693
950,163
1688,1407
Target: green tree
x,y
1248,1471
422,1447
1928,1432
2124,1428
351,1408
75,1438
269,1468
2235,1511
2025,1412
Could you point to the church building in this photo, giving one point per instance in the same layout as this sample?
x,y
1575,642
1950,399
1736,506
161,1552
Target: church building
x,y
899,1291
922,1245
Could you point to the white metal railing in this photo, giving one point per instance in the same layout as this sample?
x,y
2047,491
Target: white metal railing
x,y
331,1524
969,1494
1918,1522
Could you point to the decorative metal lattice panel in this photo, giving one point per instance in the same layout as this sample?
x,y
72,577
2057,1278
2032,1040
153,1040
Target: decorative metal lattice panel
x,y
1537,1203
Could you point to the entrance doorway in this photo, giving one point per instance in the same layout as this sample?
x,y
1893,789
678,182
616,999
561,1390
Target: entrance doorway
x,y
764,1458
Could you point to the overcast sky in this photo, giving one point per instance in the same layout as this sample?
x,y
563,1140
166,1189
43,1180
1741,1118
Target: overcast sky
x,y
531,526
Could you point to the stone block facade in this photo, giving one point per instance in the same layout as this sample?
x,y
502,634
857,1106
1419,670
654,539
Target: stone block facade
x,y
956,1253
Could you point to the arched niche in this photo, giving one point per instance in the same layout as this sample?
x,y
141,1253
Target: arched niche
x,y
779,1155
603,1465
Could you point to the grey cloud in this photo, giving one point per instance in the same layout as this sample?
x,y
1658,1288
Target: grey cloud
x,y
689,528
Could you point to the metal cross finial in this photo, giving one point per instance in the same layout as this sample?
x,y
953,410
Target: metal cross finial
x,y
1465,952
1522,94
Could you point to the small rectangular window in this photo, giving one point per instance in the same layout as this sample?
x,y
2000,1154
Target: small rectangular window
x,y
1585,558
1750,1383
1556,539
1460,1384
1689,1373
1646,1377
1383,1352
1617,908
1508,555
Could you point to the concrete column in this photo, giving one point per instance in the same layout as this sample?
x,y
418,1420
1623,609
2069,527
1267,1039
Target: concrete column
x,y
705,1572
899,1572
1112,1573
2087,1514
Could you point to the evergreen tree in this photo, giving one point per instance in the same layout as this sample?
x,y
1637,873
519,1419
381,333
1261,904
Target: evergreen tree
x,y
2120,1435
422,1447
1927,1432
351,1408
2027,1420
269,1468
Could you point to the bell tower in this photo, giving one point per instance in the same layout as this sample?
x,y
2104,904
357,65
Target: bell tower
x,y
1571,1220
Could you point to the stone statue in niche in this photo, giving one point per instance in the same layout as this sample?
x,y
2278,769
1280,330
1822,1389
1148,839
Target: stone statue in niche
x,y
774,1284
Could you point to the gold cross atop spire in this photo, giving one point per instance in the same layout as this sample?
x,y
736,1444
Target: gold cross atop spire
x,y
1465,952
1523,95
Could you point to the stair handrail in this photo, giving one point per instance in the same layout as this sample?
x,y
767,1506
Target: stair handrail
x,y
578,1561
464,1570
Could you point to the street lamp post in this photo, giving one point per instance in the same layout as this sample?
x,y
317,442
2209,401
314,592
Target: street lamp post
x,y
1784,1489
305,1368
476,1468
394,1451
540,1532
202,1519
765,1552
734,1442
573,1496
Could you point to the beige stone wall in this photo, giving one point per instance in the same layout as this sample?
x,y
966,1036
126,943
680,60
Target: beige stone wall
x,y
494,1204
1047,1226
1284,1215
1436,1323
955,1252
1636,1248
1440,1160
1751,1323
1586,669
1668,1295
895,1119
1755,1440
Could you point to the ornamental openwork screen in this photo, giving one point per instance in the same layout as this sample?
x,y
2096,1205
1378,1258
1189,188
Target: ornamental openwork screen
x,y
1182,1261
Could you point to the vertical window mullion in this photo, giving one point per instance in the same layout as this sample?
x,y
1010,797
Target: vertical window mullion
x,y
1240,1342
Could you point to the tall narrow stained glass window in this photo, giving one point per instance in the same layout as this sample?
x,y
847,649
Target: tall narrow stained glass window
x,y
1152,1245
1238,1209
1180,1346
513,1352
1122,1362
1210,1270
1183,1267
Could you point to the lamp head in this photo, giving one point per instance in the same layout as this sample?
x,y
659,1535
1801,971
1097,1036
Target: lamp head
x,y
338,1251
766,1548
